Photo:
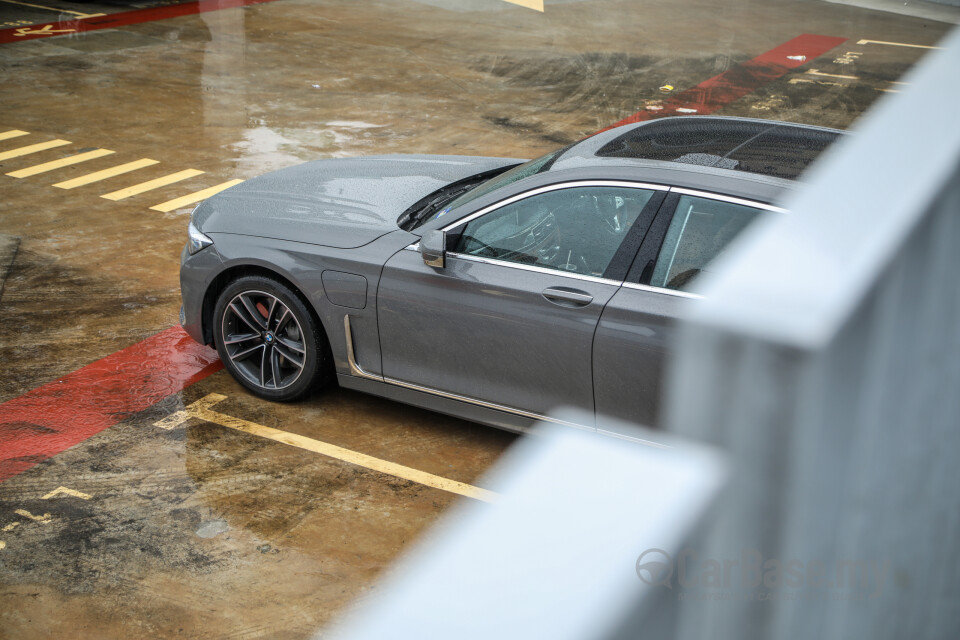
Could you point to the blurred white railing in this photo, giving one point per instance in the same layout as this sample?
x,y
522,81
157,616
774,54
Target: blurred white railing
x,y
825,361
825,364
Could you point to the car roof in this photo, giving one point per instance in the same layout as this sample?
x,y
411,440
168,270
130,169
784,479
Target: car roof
x,y
781,151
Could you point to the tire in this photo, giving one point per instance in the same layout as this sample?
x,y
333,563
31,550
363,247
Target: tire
x,y
269,341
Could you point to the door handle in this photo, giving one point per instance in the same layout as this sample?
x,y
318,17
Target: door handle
x,y
566,297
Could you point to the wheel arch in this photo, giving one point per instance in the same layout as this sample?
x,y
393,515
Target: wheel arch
x,y
223,279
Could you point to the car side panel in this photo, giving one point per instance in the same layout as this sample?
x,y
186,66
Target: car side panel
x,y
303,265
634,333
484,331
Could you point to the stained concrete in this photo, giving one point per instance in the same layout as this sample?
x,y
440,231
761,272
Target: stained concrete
x,y
238,92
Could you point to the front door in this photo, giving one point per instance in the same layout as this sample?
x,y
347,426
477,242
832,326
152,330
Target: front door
x,y
510,318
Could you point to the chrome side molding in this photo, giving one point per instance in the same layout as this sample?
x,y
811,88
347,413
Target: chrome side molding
x,y
355,369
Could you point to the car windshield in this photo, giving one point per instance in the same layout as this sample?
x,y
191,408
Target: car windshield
x,y
519,172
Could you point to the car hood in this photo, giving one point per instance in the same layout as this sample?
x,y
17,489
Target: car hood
x,y
343,203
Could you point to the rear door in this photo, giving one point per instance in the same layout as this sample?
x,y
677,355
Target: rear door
x,y
509,320
637,326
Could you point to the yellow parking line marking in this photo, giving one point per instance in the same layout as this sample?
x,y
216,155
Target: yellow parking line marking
x,y
11,526
120,194
13,133
64,491
63,162
45,518
33,148
536,5
897,44
106,173
202,409
816,72
197,196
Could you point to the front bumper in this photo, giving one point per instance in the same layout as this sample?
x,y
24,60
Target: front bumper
x,y
197,272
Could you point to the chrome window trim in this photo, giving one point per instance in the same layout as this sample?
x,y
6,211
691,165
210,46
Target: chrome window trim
x,y
556,187
534,268
668,292
716,196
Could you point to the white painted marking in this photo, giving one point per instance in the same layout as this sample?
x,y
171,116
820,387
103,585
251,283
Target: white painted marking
x,y
817,72
897,44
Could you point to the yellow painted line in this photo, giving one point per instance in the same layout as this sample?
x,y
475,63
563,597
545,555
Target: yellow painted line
x,y
106,173
40,6
11,526
13,133
26,514
202,409
64,491
897,44
62,162
815,72
120,194
536,5
33,148
197,196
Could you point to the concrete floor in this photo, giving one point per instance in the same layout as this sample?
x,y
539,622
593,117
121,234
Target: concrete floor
x,y
202,531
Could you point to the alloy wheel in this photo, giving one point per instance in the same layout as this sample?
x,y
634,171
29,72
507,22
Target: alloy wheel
x,y
263,340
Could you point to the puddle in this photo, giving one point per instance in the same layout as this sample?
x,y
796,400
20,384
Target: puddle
x,y
212,528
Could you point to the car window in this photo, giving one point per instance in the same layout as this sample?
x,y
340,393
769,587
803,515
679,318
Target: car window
x,y
700,230
576,230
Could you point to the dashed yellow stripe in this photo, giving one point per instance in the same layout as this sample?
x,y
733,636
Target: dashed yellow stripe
x,y
57,164
33,148
197,196
120,194
13,133
106,173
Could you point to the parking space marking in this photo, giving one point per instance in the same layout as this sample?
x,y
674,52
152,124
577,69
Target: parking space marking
x,y
81,404
13,133
97,176
201,409
57,164
197,196
33,148
536,5
64,491
897,44
45,518
817,72
149,185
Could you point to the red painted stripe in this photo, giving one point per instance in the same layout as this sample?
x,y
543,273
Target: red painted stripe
x,y
58,415
740,80
122,19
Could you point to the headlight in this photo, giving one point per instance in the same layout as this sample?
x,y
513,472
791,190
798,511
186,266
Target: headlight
x,y
196,240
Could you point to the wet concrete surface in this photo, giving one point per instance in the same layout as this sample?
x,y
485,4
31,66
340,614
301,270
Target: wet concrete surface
x,y
205,531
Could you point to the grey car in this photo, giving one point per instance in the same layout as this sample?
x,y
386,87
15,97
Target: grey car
x,y
491,289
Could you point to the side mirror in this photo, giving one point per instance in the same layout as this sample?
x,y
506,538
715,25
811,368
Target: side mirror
x,y
433,248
